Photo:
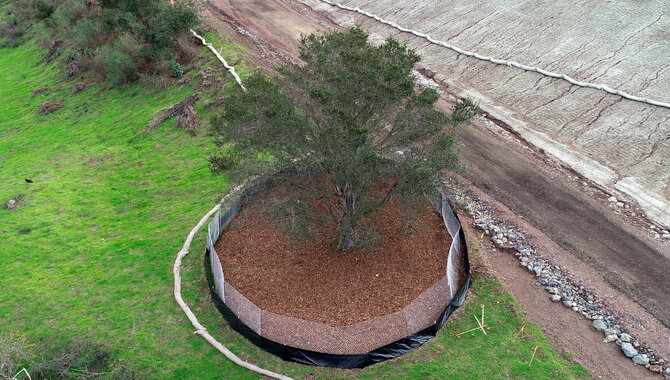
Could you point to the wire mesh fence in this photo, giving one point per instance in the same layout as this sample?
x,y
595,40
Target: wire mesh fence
x,y
236,310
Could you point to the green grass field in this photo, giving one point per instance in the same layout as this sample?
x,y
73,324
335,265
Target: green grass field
x,y
88,254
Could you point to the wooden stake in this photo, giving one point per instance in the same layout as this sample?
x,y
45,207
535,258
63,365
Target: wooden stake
x,y
531,359
480,325
482,314
465,332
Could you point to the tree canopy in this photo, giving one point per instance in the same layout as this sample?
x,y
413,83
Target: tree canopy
x,y
349,119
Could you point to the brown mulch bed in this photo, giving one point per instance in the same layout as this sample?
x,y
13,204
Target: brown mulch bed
x,y
314,281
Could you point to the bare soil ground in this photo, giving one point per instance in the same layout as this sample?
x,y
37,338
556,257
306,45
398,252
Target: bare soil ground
x,y
568,333
312,280
609,254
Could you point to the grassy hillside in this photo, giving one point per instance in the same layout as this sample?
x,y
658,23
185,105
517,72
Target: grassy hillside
x,y
88,254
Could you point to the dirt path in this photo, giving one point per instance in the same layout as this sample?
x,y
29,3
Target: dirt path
x,y
567,332
577,230
638,266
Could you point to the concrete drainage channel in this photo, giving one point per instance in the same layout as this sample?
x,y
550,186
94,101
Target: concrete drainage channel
x,y
560,286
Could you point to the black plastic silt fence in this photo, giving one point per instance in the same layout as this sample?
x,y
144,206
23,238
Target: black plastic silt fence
x,y
458,261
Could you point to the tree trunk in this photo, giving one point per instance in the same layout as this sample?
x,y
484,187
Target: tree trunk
x,y
347,232
347,219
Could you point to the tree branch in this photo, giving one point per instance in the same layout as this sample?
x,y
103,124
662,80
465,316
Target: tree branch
x,y
330,210
382,203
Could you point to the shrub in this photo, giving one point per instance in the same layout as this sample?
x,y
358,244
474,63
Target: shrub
x,y
121,39
44,10
176,71
62,21
114,64
12,32
81,360
186,51
167,22
88,33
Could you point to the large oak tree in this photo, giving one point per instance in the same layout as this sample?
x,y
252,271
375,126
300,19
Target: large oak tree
x,y
351,117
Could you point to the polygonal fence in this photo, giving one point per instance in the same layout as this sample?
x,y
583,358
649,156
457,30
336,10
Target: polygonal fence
x,y
352,346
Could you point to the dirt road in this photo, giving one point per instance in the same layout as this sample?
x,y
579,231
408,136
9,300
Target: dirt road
x,y
637,266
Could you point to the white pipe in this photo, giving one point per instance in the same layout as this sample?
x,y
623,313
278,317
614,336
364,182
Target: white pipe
x,y
199,328
230,69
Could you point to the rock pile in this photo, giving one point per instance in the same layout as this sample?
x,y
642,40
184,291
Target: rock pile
x,y
559,285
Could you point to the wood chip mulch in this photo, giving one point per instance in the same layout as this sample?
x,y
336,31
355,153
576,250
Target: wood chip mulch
x,y
314,281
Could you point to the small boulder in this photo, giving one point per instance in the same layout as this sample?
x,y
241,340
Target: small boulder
x,y
599,325
625,337
611,332
555,298
641,359
203,85
610,338
73,69
206,73
628,349
55,45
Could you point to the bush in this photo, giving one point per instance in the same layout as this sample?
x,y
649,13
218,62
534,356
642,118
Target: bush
x,y
167,22
44,10
123,39
114,64
176,71
186,50
12,32
88,33
82,360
